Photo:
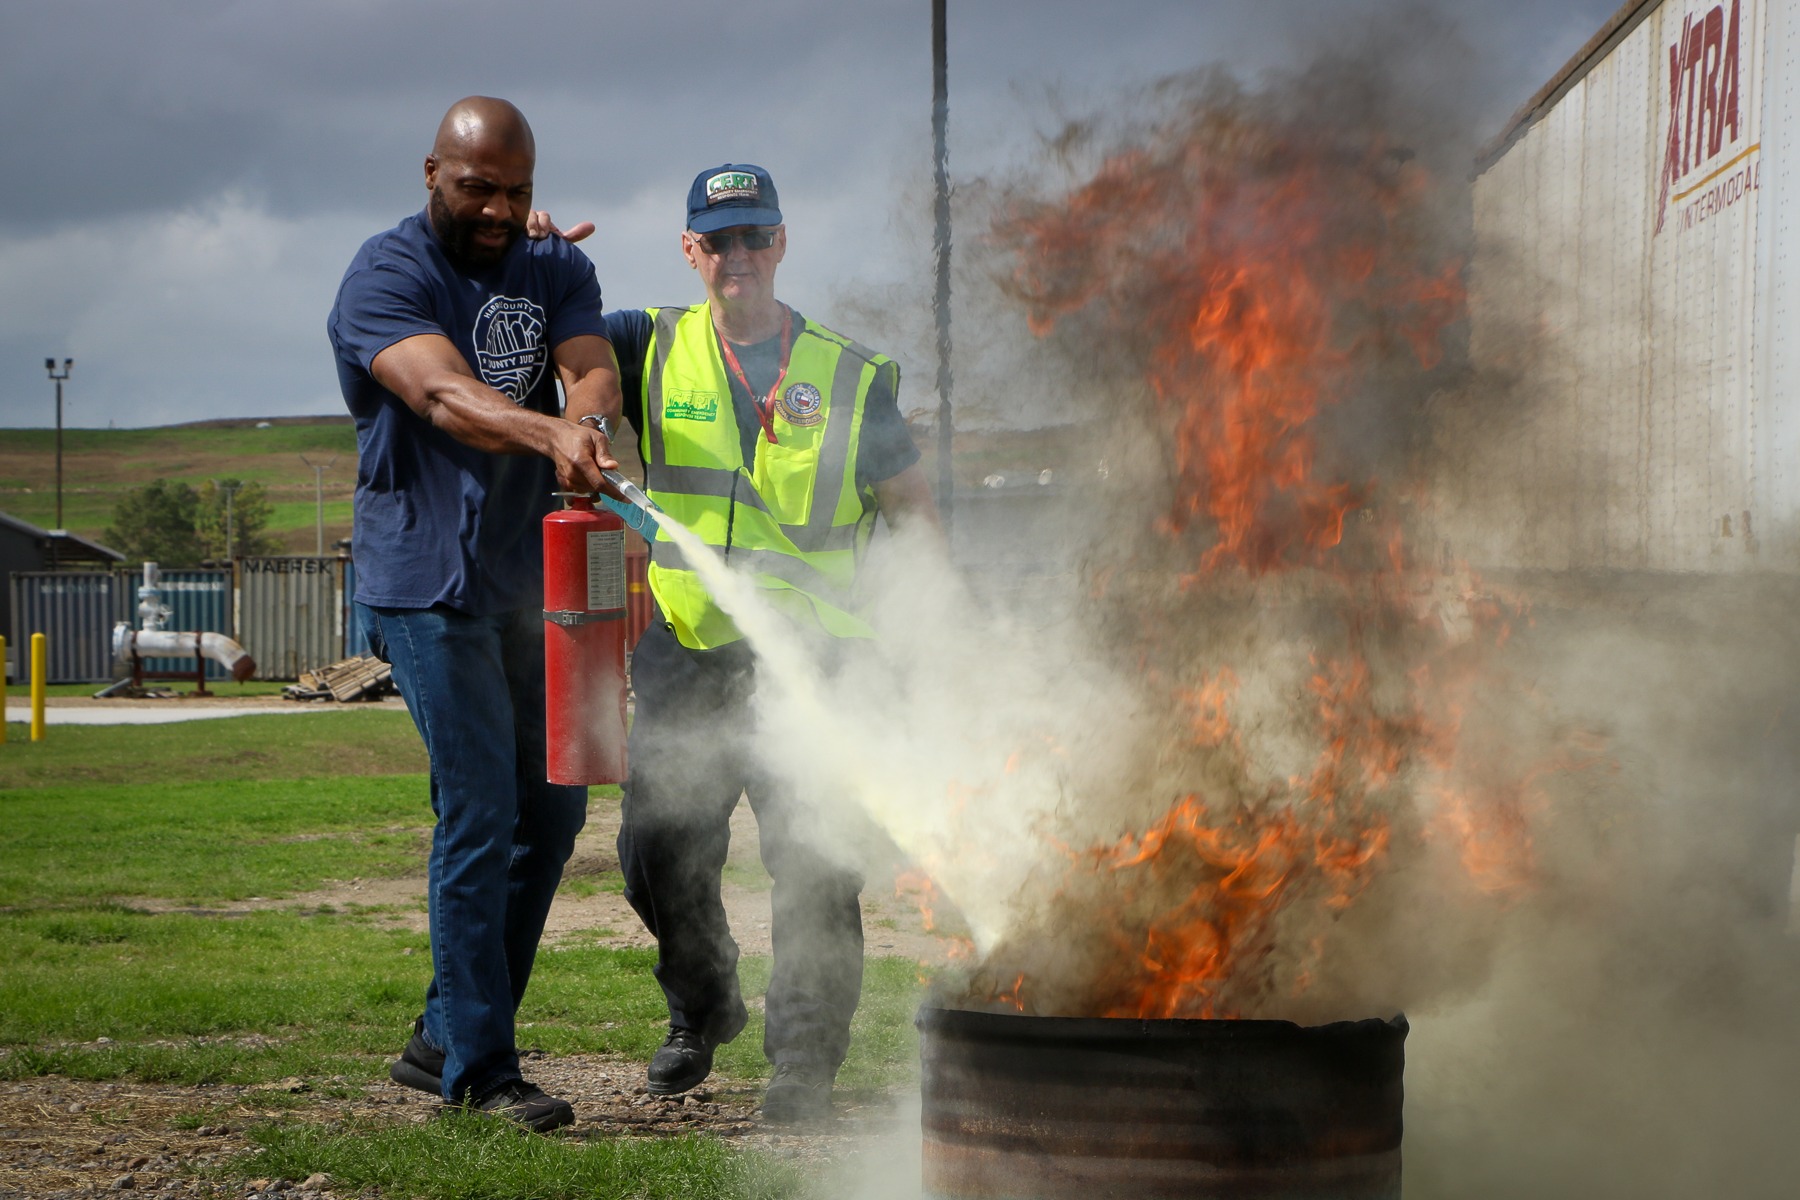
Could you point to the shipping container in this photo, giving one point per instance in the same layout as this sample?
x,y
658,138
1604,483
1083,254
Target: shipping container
x,y
290,613
75,611
1632,307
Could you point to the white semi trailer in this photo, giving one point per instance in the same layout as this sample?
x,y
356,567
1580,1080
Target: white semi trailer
x,y
1635,306
1629,450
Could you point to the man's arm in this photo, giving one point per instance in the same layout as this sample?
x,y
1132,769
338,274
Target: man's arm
x,y
590,377
905,500
427,372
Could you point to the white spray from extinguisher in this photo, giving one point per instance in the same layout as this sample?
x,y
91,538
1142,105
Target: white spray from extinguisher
x,y
891,770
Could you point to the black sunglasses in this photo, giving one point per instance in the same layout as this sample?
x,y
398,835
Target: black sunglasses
x,y
721,244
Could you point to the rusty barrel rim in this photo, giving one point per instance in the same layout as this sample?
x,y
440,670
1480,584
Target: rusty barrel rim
x,y
945,1021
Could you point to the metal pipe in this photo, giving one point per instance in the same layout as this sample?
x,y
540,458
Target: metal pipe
x,y
168,643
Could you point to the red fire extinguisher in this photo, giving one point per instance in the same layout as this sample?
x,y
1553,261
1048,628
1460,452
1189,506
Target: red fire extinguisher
x,y
584,644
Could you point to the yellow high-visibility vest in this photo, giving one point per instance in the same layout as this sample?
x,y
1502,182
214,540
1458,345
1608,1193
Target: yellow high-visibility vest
x,y
794,516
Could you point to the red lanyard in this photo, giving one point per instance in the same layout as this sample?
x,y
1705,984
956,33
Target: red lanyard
x,y
765,407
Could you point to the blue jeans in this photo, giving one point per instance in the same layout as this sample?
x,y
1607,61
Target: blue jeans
x,y
475,687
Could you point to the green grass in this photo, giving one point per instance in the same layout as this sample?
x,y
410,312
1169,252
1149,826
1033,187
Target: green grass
x,y
212,842
102,829
468,1158
581,887
304,515
337,740
101,465
177,994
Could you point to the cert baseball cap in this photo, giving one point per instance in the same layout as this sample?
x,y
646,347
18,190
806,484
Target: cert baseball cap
x,y
734,194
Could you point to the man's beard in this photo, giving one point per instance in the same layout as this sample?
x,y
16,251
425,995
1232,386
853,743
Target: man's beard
x,y
458,237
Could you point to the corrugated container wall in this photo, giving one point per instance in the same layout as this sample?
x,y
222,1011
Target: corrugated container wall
x,y
1632,305
74,610
356,641
291,613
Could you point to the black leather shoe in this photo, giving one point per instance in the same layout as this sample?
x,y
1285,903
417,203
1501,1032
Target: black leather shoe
x,y
420,1065
798,1092
525,1105
684,1060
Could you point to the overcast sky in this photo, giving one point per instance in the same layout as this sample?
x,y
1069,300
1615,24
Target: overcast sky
x,y
189,178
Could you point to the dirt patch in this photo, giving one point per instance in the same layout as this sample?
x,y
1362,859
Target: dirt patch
x,y
61,1138
589,908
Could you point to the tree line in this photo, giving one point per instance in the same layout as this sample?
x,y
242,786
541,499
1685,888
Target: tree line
x,y
177,526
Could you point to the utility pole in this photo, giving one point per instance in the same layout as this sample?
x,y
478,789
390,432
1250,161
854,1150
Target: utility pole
x,y
940,124
230,495
319,470
50,366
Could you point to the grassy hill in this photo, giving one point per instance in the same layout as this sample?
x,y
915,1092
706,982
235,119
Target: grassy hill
x,y
100,466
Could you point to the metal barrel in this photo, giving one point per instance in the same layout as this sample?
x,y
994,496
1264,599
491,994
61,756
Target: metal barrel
x,y
1047,1108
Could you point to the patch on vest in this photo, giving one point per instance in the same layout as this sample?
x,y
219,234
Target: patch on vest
x,y
691,406
509,345
800,404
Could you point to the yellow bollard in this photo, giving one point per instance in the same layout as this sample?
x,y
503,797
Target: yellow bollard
x,y
37,687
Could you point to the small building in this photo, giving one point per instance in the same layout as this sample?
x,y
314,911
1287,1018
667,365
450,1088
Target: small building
x,y
25,547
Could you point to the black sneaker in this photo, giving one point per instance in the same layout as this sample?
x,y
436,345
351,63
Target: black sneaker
x,y
798,1092
684,1060
420,1065
524,1104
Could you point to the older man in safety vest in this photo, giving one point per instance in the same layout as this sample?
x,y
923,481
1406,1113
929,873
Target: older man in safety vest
x,y
777,441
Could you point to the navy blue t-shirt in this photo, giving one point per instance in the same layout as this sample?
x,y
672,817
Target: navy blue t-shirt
x,y
885,449
438,522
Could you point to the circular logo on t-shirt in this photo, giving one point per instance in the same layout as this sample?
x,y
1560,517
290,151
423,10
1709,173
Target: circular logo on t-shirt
x,y
509,345
800,404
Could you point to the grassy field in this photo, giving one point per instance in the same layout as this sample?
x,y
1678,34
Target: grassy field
x,y
101,465
122,847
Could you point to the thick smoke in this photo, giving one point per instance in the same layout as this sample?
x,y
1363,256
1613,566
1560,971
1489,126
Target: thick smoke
x,y
1270,722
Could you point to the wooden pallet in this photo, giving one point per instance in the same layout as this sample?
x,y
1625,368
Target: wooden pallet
x,y
362,677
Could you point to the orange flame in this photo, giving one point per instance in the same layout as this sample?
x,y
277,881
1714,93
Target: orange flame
x,y
1258,267
1260,273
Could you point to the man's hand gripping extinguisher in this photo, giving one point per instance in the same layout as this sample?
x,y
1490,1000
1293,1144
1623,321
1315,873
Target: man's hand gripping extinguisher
x,y
584,643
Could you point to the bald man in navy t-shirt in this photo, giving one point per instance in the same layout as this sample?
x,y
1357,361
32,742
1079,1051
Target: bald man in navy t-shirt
x,y
451,332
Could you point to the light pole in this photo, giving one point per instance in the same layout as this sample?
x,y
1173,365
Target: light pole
x,y
319,470
58,377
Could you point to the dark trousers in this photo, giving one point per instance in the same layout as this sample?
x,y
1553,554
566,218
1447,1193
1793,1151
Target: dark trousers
x,y
692,757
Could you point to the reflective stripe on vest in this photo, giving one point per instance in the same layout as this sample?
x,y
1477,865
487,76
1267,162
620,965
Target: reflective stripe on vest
x,y
794,515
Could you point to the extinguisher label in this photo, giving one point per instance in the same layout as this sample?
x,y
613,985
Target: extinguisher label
x,y
605,570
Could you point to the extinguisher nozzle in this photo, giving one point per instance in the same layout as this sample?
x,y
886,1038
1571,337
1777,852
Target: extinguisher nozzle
x,y
636,508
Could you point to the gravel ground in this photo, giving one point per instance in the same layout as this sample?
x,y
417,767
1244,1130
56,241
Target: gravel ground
x,y
61,1139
